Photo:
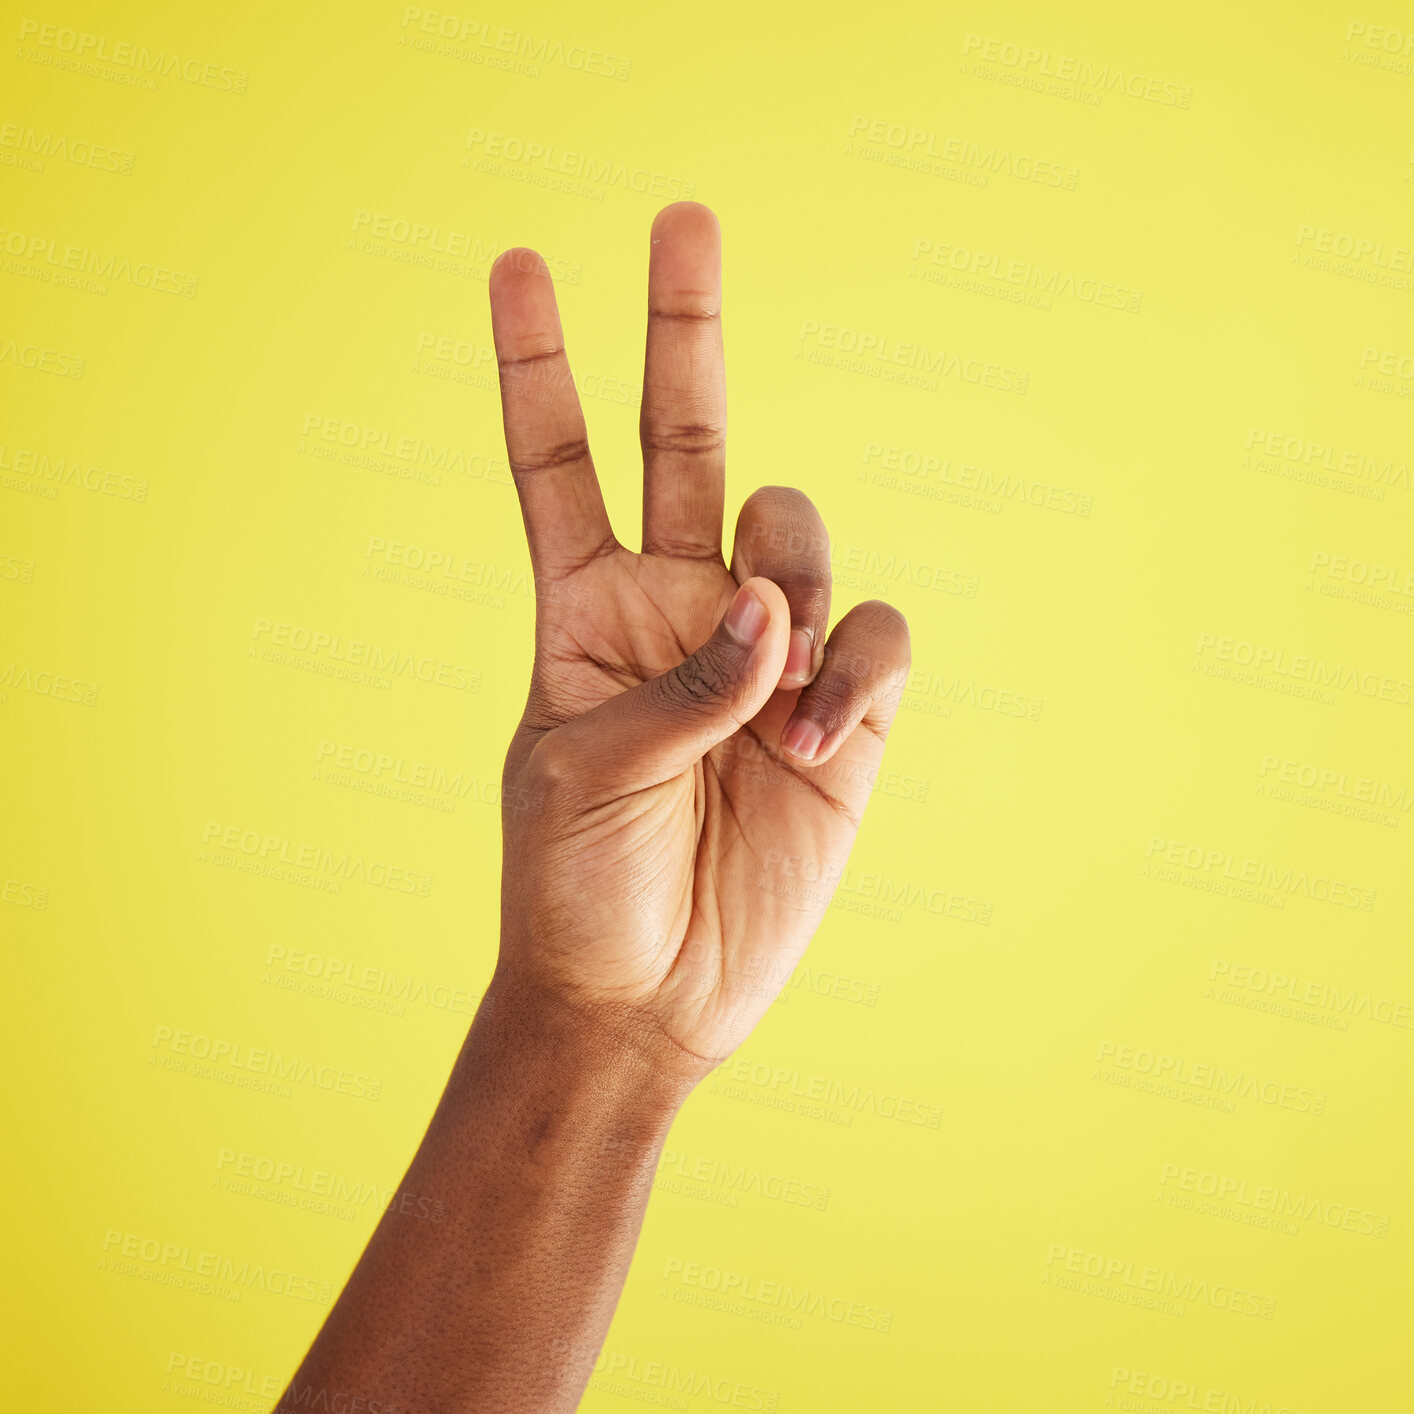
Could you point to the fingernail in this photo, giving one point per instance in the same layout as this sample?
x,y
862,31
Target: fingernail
x,y
747,618
798,656
802,738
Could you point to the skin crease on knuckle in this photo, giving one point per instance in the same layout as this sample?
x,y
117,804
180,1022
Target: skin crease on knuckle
x,y
706,678
647,791
833,698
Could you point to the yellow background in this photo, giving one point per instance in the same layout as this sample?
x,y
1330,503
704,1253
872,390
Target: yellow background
x,y
1010,1244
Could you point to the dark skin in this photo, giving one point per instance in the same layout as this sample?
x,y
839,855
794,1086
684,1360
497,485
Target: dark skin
x,y
680,797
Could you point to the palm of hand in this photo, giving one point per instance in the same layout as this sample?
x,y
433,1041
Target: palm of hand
x,y
682,882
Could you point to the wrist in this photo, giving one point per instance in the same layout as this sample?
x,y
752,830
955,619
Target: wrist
x,y
616,1054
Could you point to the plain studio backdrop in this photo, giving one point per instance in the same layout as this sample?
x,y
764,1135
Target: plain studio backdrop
x,y
1088,332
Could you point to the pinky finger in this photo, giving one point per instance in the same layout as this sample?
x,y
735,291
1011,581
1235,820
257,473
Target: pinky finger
x,y
865,671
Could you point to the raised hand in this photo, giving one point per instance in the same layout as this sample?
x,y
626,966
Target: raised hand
x,y
679,799
697,748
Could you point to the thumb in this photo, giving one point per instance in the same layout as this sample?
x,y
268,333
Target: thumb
x,y
658,729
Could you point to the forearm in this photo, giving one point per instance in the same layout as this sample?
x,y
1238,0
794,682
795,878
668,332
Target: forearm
x,y
541,1155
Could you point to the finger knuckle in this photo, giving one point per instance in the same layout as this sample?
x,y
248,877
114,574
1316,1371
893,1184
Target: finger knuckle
x,y
849,662
832,699
685,438
530,462
554,768
705,678
779,524
807,585
777,498
886,624
785,502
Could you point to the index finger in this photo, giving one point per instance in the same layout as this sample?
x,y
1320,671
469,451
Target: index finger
x,y
546,441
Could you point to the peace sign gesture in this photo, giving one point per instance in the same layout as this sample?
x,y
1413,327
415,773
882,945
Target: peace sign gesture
x,y
697,748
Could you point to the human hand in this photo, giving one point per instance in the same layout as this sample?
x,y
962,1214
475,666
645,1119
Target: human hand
x,y
695,754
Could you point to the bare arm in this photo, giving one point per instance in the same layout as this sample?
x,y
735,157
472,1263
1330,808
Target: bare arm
x,y
696,741
537,1167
